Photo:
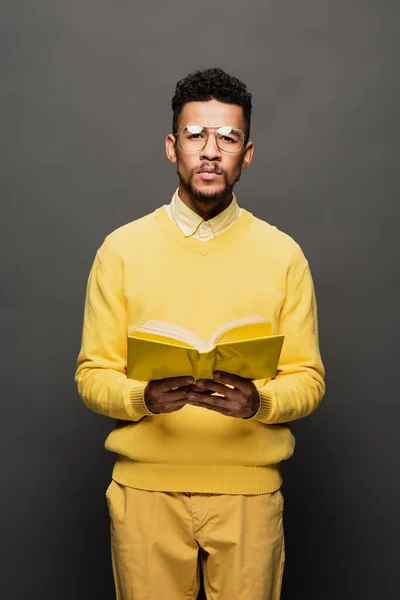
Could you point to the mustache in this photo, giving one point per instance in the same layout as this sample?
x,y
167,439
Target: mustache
x,y
212,167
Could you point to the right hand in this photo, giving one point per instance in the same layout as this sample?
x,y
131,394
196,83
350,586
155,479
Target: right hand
x,y
167,395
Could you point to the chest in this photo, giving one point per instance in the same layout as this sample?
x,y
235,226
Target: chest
x,y
201,292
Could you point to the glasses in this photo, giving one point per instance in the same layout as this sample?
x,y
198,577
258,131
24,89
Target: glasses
x,y
194,138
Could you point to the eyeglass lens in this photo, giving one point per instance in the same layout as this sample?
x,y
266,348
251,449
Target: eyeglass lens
x,y
193,138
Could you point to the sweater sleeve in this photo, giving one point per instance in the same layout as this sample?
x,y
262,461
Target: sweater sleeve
x,y
298,387
101,366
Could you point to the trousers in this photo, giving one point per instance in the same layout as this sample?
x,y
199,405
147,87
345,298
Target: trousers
x,y
159,540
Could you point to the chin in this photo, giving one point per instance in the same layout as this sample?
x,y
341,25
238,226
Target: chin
x,y
210,188
209,193
204,191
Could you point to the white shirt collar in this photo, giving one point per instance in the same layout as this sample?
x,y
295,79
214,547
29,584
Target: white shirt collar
x,y
189,221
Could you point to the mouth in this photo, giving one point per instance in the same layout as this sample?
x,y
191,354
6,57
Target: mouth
x,y
208,174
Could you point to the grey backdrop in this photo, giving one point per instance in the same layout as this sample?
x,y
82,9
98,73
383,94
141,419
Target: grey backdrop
x,y
86,90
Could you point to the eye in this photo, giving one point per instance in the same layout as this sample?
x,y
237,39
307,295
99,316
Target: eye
x,y
226,138
229,135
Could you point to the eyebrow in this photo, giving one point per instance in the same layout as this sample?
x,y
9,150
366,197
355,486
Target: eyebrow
x,y
215,127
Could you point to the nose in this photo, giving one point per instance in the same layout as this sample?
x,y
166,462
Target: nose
x,y
211,150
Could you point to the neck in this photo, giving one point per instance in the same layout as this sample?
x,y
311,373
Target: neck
x,y
205,209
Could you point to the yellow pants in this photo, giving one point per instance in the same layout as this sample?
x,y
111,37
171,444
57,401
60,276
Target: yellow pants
x,y
158,539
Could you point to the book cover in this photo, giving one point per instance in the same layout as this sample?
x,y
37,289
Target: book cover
x,y
244,347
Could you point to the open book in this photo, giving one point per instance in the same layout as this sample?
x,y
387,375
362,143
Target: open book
x,y
244,347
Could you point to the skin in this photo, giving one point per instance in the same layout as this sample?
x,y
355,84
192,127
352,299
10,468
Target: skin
x,y
217,193
207,198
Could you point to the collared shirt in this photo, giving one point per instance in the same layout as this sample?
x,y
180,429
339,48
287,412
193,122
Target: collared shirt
x,y
192,224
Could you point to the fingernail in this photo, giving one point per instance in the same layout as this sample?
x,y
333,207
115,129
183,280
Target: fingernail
x,y
200,383
189,380
217,374
191,396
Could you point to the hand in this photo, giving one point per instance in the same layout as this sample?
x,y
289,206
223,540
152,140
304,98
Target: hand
x,y
241,402
167,395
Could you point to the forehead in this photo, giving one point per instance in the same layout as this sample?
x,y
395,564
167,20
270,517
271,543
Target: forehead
x,y
211,114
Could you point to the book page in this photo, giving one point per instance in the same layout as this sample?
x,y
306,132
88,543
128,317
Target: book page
x,y
159,338
264,328
176,332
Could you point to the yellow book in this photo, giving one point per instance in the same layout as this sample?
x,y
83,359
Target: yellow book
x,y
244,347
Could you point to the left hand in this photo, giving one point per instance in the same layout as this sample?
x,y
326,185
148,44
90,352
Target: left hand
x,y
241,402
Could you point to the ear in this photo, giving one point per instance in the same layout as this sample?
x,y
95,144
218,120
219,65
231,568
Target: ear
x,y
248,155
170,148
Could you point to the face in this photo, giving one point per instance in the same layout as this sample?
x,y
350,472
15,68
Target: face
x,y
209,175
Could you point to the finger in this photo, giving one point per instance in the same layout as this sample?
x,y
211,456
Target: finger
x,y
163,407
238,382
209,401
199,389
167,408
172,406
164,385
220,388
175,395
203,391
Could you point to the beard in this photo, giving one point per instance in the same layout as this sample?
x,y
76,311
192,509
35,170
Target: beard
x,y
204,196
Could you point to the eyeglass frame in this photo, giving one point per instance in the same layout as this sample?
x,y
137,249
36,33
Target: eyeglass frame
x,y
245,138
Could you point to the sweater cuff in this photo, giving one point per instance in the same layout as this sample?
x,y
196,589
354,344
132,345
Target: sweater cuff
x,y
265,408
136,397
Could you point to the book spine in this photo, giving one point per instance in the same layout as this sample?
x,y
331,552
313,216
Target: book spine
x,y
205,365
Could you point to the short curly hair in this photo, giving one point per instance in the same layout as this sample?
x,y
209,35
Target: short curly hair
x,y
201,86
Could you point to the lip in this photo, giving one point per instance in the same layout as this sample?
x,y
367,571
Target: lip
x,y
208,175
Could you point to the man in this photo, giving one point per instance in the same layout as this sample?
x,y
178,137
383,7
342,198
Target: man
x,y
197,476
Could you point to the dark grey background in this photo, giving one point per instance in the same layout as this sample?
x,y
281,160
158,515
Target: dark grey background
x,y
86,88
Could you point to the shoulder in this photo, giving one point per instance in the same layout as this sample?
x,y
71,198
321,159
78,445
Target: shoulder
x,y
132,229
277,241
126,237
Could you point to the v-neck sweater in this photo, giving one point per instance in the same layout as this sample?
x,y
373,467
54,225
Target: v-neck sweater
x,y
148,269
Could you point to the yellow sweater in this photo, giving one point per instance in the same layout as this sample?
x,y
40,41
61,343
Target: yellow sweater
x,y
147,269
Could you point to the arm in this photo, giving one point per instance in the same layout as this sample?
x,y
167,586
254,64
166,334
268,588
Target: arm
x,y
298,387
101,370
